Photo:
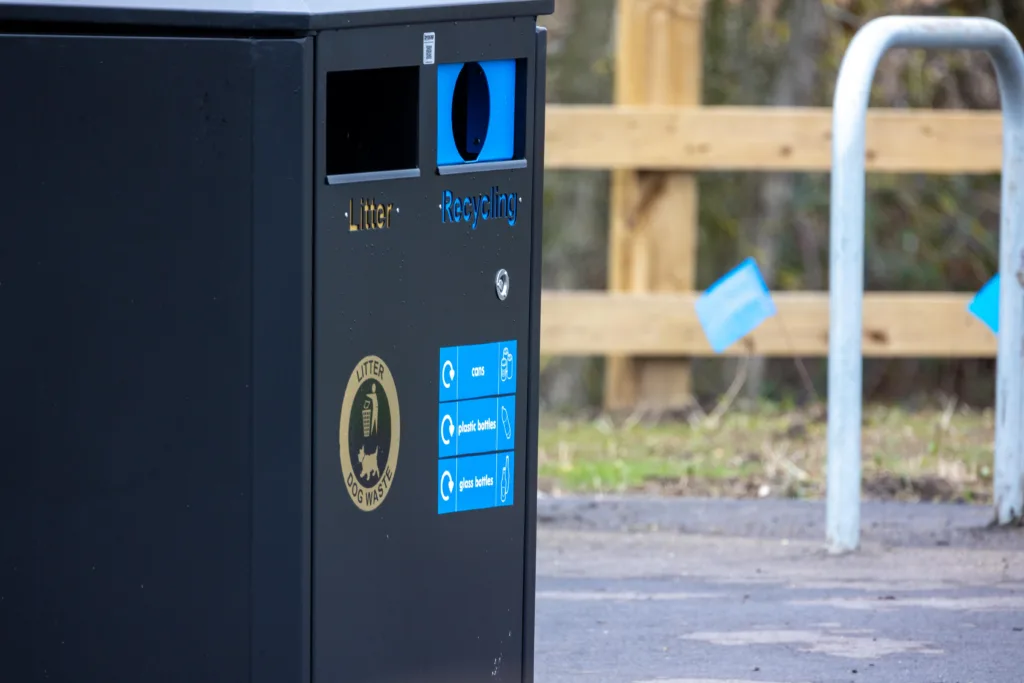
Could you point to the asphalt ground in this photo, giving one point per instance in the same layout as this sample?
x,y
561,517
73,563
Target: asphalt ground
x,y
720,591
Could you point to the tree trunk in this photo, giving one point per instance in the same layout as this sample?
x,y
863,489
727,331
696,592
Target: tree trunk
x,y
575,203
794,84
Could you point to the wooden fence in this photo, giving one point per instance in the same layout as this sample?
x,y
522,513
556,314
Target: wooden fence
x,y
653,139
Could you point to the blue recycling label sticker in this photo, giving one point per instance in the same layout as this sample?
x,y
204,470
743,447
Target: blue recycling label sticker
x,y
476,371
475,482
481,425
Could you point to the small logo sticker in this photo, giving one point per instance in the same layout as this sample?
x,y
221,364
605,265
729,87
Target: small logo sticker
x,y
428,48
368,433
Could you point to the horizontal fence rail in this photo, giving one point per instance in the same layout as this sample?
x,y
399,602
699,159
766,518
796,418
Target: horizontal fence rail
x,y
905,324
764,139
595,137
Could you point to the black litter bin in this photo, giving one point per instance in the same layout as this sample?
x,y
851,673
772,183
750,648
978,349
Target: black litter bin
x,y
270,299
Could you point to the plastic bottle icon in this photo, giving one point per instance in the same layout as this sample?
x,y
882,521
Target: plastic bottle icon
x,y
504,480
506,423
508,369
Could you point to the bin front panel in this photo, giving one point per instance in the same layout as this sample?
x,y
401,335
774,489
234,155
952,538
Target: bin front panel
x,y
419,372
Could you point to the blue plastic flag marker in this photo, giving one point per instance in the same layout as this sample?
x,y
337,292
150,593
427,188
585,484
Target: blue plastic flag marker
x,y
985,304
734,306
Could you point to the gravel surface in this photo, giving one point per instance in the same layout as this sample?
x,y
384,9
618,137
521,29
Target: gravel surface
x,y
691,591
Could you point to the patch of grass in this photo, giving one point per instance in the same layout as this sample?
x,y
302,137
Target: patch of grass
x,y
770,451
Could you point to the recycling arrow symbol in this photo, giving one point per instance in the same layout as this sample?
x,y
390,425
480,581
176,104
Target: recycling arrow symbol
x,y
447,432
449,484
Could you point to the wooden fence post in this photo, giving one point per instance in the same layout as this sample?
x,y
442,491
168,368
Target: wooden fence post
x,y
653,233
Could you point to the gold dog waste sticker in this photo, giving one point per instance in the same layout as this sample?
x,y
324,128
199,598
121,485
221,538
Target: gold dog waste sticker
x,y
369,432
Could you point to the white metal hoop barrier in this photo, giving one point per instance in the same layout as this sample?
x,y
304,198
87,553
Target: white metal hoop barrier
x,y
846,279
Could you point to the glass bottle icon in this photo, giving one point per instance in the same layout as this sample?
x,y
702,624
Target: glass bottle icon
x,y
504,480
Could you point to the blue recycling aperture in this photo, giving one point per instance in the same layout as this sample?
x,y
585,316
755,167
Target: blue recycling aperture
x,y
734,306
499,128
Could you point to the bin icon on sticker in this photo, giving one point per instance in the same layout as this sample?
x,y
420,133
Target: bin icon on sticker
x,y
507,365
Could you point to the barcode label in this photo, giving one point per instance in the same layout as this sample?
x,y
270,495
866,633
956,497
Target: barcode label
x,y
428,48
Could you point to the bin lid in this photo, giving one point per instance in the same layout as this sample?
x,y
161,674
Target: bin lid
x,y
261,15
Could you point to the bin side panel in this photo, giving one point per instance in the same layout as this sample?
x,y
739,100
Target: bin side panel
x,y
407,585
125,355
533,396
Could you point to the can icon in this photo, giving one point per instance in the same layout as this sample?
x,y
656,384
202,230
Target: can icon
x,y
507,365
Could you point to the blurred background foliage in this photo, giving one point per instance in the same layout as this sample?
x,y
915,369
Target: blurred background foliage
x,y
923,232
